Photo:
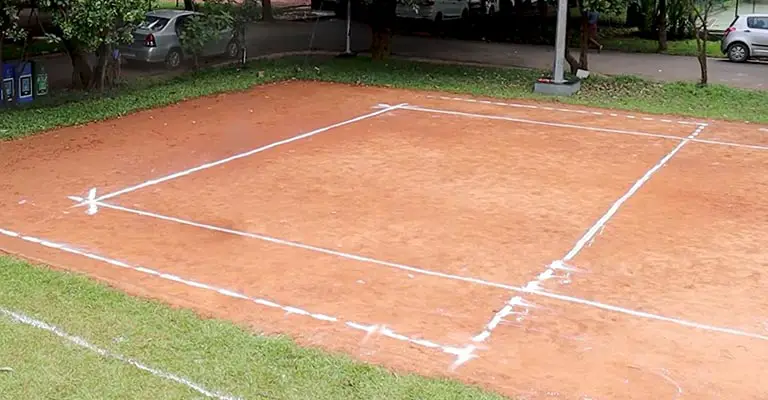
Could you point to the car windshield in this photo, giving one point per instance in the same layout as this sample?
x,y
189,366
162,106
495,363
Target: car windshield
x,y
153,23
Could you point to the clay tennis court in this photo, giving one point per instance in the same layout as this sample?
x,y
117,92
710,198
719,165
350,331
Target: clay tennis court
x,y
540,251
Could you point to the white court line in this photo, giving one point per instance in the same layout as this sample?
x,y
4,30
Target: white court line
x,y
583,127
238,156
427,272
24,319
732,144
461,353
535,122
568,110
517,304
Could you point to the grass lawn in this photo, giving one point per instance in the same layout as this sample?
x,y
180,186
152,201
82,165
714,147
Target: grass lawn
x,y
627,93
214,354
620,40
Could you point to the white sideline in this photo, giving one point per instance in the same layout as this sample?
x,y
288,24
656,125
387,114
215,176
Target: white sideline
x,y
567,110
240,155
535,122
427,272
584,127
517,302
461,353
27,320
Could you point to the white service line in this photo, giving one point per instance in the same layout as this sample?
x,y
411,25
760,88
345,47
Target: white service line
x,y
27,320
517,304
427,272
568,110
460,352
238,156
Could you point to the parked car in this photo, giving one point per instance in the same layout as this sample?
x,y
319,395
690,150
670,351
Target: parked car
x,y
156,40
746,38
436,11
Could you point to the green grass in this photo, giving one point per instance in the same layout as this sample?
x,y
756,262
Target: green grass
x,y
631,44
626,93
216,354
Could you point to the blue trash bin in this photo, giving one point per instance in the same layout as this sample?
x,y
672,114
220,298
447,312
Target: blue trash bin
x,y
8,95
24,91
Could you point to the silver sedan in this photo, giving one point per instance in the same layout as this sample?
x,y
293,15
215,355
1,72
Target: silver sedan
x,y
156,40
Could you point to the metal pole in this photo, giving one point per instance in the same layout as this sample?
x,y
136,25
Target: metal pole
x,y
562,19
349,27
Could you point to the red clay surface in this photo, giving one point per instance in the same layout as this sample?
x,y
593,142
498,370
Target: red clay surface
x,y
492,199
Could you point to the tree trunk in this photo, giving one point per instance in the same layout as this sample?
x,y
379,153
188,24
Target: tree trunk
x,y
100,74
701,44
584,42
266,9
382,21
189,5
81,68
543,8
572,61
381,44
662,25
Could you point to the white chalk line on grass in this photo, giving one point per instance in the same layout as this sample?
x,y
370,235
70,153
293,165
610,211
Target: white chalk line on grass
x,y
530,290
27,320
517,305
234,157
568,110
464,353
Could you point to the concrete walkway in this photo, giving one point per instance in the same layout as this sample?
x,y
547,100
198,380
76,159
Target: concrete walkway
x,y
329,35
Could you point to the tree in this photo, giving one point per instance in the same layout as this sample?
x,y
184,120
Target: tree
x,y
216,16
9,24
700,11
199,30
383,14
267,10
189,5
661,25
88,26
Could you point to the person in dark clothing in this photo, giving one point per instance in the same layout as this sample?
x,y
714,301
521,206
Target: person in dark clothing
x,y
592,17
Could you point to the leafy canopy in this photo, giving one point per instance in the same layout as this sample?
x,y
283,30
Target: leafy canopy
x,y
93,23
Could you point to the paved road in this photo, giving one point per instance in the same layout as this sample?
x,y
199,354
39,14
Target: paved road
x,y
329,35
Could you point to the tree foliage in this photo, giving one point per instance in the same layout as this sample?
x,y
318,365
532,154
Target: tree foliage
x,y
9,24
87,26
9,21
216,16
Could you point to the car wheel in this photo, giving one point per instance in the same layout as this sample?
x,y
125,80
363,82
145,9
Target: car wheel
x,y
738,52
174,59
233,48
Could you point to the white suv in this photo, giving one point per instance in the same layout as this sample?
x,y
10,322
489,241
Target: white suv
x,y
746,38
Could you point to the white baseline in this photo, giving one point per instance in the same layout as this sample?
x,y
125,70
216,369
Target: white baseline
x,y
422,271
461,353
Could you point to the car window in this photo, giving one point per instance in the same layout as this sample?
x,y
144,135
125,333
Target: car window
x,y
757,22
153,23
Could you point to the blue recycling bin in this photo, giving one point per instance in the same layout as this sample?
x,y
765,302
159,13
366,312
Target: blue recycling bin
x,y
23,76
8,95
